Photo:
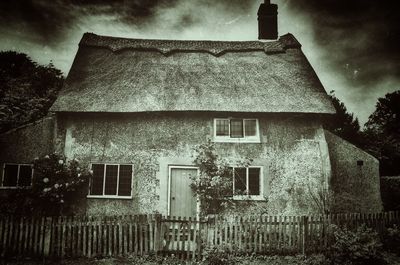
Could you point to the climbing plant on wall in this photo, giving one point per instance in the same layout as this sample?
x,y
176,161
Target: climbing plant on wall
x,y
214,184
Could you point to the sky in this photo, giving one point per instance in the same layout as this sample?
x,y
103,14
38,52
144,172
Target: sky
x,y
352,45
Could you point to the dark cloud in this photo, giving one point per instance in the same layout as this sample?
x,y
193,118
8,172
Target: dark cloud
x,y
362,36
49,20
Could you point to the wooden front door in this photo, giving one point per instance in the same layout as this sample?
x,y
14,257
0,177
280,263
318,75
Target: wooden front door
x,y
182,200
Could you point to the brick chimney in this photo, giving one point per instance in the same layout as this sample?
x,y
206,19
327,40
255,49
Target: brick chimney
x,y
267,21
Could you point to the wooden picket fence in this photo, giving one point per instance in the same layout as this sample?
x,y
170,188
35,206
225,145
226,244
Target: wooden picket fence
x,y
83,236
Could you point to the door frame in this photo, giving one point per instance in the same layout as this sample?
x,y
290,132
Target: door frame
x,y
170,167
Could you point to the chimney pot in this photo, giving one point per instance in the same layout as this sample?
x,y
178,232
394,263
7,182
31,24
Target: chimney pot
x,y
268,21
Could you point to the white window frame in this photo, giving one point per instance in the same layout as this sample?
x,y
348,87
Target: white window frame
x,y
244,139
19,166
104,182
259,197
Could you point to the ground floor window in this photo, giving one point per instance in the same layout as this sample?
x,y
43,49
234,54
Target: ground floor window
x,y
247,181
111,180
17,175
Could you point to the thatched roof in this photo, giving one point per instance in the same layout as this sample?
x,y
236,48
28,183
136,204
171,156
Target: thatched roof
x,y
134,75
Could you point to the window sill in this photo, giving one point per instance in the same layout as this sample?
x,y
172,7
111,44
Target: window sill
x,y
236,140
16,188
108,197
249,198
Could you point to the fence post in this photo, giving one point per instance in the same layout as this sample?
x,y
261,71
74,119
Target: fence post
x,y
157,233
48,226
305,233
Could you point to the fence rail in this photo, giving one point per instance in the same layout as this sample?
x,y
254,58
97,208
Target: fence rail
x,y
77,236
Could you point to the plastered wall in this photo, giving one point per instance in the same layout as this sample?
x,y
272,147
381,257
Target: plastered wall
x,y
355,177
293,153
23,144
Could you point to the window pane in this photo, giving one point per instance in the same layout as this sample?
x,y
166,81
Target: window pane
x,y
240,181
236,128
250,127
254,181
125,180
10,175
222,127
25,176
111,180
96,185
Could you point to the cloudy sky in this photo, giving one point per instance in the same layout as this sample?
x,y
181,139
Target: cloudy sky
x,y
352,45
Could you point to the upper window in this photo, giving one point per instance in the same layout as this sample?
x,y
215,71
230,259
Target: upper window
x,y
17,175
236,130
247,182
111,180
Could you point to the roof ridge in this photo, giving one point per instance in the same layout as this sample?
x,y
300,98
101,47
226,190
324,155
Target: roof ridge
x,y
166,47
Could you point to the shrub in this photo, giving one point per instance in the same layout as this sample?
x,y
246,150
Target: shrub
x,y
390,190
58,186
217,256
359,246
391,239
214,184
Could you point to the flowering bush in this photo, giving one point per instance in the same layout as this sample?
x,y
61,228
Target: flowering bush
x,y
59,184
57,188
214,184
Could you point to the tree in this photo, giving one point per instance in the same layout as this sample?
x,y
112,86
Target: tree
x,y
344,124
382,133
27,89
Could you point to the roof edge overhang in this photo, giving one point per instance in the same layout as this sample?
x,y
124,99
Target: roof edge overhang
x,y
295,114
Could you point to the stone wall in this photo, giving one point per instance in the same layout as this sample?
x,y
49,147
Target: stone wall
x,y
292,151
355,177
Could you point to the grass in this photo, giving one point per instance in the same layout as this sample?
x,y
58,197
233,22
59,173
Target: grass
x,y
316,259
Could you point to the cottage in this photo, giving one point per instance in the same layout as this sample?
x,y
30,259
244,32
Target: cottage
x,y
134,110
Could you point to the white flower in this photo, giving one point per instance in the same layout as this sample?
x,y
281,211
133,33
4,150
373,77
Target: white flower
x,y
61,201
66,185
79,174
91,172
46,180
56,186
60,161
36,158
47,156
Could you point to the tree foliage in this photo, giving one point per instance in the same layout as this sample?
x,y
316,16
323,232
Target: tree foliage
x,y
343,123
27,89
382,133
